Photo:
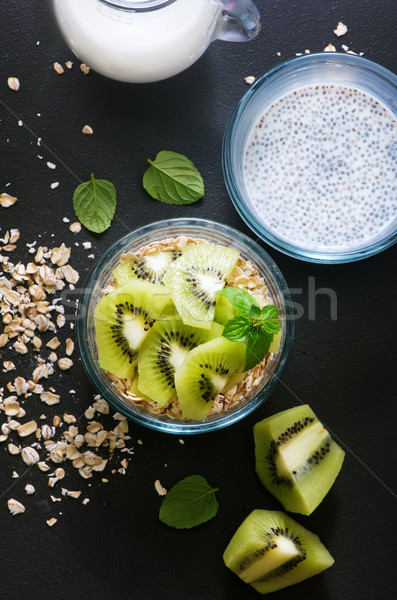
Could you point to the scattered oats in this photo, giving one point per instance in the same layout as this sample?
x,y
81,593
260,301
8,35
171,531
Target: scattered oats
x,y
89,413
27,428
351,52
140,442
278,53
84,69
330,48
340,30
29,489
52,481
345,48
51,522
47,432
69,346
54,185
13,83
69,419
58,68
91,256
87,130
54,343
43,466
15,475
39,141
15,507
181,441
6,200
87,245
3,339
20,123
307,51
66,220
13,449
298,53
75,227
73,494
51,165
68,64
104,480
56,421
159,488
8,365
3,437
249,80
65,363
53,357
49,398
124,463
55,499
30,456
59,473
61,320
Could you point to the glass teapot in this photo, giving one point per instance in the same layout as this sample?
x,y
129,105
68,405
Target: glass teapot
x,y
149,40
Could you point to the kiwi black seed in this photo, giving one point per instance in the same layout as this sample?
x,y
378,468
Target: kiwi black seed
x,y
150,267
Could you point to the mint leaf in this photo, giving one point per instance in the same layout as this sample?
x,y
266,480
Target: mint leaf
x,y
94,203
241,299
270,319
257,347
172,178
189,502
237,329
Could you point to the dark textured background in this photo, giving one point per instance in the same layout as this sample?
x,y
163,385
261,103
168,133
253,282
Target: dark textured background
x,y
345,369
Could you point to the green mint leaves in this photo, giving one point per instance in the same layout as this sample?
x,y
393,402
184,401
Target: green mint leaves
x,y
94,203
252,325
189,503
172,178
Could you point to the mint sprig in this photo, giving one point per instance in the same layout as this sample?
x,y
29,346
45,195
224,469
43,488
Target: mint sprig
x,y
94,203
252,325
189,502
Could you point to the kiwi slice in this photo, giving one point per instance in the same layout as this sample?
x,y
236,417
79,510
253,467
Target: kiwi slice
x,y
194,277
204,374
271,551
163,351
150,267
122,320
296,459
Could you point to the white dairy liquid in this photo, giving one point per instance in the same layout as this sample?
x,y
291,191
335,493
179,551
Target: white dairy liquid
x,y
320,168
138,47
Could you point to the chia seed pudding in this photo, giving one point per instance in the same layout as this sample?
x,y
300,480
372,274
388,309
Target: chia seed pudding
x,y
320,167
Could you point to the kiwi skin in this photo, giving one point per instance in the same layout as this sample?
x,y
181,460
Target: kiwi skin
x,y
263,528
305,487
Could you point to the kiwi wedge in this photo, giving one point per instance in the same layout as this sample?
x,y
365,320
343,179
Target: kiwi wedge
x,y
296,458
195,277
163,351
122,320
205,373
150,267
271,551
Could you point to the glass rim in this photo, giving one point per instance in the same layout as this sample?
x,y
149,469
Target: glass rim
x,y
137,5
309,255
175,426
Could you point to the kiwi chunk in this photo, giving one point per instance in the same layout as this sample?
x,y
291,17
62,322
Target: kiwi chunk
x,y
150,267
204,374
296,459
122,320
195,277
271,551
163,351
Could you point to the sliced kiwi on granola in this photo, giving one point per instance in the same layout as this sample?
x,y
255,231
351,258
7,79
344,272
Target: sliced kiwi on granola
x,y
271,551
150,267
205,373
123,319
163,351
195,277
296,458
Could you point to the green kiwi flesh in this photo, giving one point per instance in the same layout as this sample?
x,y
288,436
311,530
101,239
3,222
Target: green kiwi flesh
x,y
195,277
271,551
163,351
296,458
150,267
204,374
122,320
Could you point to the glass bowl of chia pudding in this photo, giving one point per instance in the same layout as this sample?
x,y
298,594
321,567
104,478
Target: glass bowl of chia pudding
x,y
310,158
254,271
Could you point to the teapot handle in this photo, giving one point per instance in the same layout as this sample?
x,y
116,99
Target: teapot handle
x,y
239,22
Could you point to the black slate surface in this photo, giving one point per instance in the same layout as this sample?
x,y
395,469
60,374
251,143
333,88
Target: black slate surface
x,y
115,547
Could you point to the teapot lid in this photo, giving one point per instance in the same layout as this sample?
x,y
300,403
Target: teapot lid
x,y
138,5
